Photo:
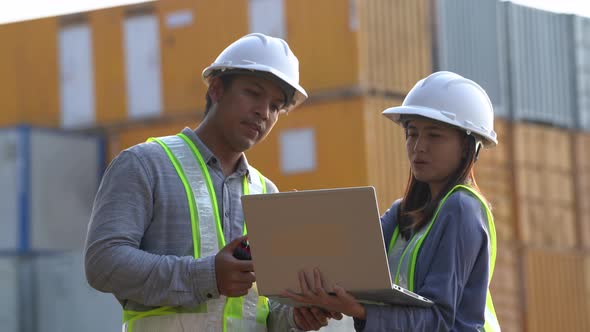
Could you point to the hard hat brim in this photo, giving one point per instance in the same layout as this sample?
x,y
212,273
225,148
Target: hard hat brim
x,y
395,114
299,96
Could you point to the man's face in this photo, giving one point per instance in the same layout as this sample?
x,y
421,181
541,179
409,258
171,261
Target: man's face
x,y
245,111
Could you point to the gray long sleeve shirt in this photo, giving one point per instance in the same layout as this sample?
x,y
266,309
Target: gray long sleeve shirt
x,y
139,244
451,270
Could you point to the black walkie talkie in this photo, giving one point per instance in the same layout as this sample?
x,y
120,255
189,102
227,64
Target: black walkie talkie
x,y
242,252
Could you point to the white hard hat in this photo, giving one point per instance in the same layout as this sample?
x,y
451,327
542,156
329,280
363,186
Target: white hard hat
x,y
261,54
453,99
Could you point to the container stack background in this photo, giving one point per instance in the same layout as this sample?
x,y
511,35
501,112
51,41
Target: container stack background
x,y
75,90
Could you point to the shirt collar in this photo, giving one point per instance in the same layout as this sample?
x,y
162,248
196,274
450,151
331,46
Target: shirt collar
x,y
210,158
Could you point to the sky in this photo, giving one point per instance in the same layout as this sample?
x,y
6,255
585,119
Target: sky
x,y
19,10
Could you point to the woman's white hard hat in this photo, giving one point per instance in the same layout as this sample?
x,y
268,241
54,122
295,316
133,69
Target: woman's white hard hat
x,y
453,99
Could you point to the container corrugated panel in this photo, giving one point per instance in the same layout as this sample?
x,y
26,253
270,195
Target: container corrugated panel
x,y
38,73
109,71
338,144
9,89
387,162
31,81
192,40
121,138
540,49
506,287
493,174
65,301
471,41
582,52
9,297
55,175
582,185
395,43
544,185
11,186
17,294
555,296
320,35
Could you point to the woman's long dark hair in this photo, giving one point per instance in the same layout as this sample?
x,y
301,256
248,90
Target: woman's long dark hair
x,y
417,207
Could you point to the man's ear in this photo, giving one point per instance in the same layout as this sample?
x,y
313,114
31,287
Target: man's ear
x,y
215,89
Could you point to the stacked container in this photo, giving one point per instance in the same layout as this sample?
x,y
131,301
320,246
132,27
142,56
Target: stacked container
x,y
133,72
49,179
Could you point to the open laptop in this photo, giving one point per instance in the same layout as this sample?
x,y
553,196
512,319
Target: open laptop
x,y
336,230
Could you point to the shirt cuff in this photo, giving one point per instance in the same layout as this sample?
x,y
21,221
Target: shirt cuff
x,y
204,279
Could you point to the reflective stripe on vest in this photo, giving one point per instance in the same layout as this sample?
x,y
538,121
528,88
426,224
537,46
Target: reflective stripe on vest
x,y
247,313
405,272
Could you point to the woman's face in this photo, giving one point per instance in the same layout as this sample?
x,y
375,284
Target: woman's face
x,y
435,151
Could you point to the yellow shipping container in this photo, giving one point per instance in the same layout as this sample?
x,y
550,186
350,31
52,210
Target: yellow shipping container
x,y
506,288
582,186
555,297
29,81
109,66
123,137
192,34
383,45
493,174
544,186
352,145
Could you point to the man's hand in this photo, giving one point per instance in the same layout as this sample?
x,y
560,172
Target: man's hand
x,y
312,319
234,277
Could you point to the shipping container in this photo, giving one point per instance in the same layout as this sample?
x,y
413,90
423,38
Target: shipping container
x,y
493,174
395,44
64,300
337,143
10,298
122,137
192,36
49,293
582,71
76,72
29,84
49,179
544,186
582,186
109,67
555,299
507,287
541,65
471,41
323,35
351,44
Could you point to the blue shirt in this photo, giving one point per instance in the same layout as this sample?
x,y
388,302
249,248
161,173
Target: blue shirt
x,y
452,270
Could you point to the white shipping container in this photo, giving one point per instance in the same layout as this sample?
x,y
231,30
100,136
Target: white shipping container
x,y
65,301
48,180
9,295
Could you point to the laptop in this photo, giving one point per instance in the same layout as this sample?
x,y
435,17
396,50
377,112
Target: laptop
x,y
336,230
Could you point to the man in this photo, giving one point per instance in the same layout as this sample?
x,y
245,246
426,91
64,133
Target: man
x,y
166,208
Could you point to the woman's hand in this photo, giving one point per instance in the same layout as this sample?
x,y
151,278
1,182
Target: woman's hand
x,y
314,294
313,318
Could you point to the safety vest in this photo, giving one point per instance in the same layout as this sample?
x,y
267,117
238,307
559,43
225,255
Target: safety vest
x,y
406,267
247,313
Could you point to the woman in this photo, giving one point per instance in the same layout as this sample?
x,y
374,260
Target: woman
x,y
440,236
